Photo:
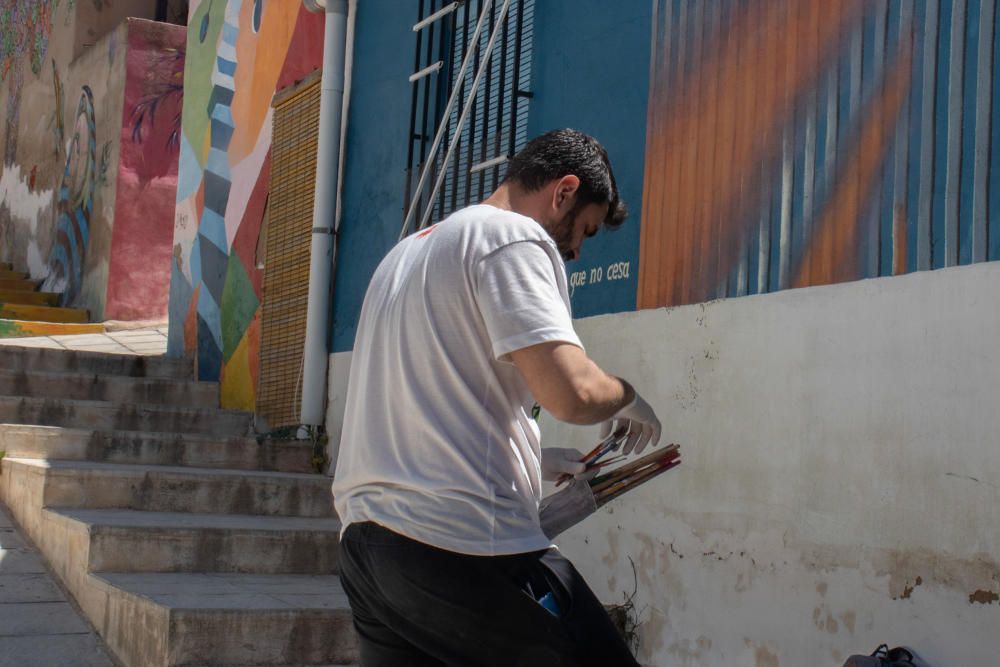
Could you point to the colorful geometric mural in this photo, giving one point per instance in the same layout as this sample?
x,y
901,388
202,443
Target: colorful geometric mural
x,y
239,52
794,143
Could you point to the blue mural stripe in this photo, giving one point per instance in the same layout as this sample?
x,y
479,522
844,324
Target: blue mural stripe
x,y
875,74
230,33
213,271
969,131
227,67
984,96
195,262
954,150
219,96
213,228
993,199
216,193
81,217
222,113
188,171
222,134
927,147
209,353
218,163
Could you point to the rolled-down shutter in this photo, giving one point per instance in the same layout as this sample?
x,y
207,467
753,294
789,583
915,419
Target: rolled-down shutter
x,y
286,259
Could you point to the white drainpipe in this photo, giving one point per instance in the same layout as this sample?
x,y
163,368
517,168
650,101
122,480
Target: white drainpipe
x,y
323,249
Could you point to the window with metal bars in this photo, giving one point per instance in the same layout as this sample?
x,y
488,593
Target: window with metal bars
x,y
494,128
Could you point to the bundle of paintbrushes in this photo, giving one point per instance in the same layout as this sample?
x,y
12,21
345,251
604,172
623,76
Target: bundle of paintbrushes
x,y
624,478
581,498
610,485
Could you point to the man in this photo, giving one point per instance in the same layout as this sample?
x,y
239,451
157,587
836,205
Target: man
x,y
465,326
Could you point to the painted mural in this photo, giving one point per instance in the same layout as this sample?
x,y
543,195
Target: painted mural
x,y
149,144
25,27
66,155
794,143
75,205
239,52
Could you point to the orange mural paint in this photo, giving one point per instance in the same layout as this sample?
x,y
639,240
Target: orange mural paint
x,y
711,151
833,252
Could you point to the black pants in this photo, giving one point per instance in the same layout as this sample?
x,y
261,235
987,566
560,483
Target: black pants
x,y
416,605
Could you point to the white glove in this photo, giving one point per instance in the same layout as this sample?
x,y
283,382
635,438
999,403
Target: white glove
x,y
559,461
641,422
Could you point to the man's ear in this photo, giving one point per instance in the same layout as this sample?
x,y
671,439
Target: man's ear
x,y
564,193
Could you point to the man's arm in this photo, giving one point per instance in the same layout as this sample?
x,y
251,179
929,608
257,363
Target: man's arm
x,y
569,385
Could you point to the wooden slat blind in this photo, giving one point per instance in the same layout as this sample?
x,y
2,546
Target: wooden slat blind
x,y
286,259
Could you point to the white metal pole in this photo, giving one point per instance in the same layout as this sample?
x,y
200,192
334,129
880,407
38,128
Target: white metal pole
x,y
315,353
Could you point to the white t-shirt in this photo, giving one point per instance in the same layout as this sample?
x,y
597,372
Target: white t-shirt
x,y
438,441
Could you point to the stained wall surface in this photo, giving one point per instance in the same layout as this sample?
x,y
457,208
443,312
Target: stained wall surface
x,y
62,141
239,52
839,481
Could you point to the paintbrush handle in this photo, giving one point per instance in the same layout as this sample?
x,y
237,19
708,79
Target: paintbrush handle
x,y
611,494
618,474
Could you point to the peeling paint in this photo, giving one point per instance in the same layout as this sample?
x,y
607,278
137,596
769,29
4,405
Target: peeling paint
x,y
763,656
983,597
21,199
908,591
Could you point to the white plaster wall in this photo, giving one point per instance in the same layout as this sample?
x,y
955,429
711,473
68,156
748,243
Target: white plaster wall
x,y
840,480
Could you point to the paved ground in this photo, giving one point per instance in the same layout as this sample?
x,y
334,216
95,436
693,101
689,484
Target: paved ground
x,y
151,340
38,627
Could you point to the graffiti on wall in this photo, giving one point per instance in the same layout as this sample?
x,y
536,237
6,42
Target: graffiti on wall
x,y
238,53
75,205
25,27
796,143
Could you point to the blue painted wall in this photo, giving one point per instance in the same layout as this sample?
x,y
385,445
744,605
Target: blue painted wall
x,y
590,71
378,122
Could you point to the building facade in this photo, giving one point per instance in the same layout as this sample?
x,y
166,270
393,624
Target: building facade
x,y
837,437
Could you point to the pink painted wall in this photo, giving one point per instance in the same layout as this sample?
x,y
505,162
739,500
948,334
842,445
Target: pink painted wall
x,y
139,271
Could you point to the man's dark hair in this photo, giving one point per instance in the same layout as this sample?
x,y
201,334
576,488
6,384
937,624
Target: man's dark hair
x,y
563,152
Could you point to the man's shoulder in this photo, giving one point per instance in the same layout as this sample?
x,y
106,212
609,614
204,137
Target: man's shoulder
x,y
487,228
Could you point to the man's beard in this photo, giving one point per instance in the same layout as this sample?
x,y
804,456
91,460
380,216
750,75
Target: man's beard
x,y
562,234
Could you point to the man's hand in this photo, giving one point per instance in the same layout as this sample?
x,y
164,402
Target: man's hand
x,y
559,461
642,423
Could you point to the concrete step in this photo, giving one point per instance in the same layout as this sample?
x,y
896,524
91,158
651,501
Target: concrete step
x,y
29,297
17,311
106,416
20,284
111,388
227,619
97,363
133,541
90,485
10,274
30,441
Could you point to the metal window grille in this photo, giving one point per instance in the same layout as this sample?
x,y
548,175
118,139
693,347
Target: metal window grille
x,y
496,126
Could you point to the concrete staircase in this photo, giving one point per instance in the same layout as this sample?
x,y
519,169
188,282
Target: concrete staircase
x,y
24,311
183,540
